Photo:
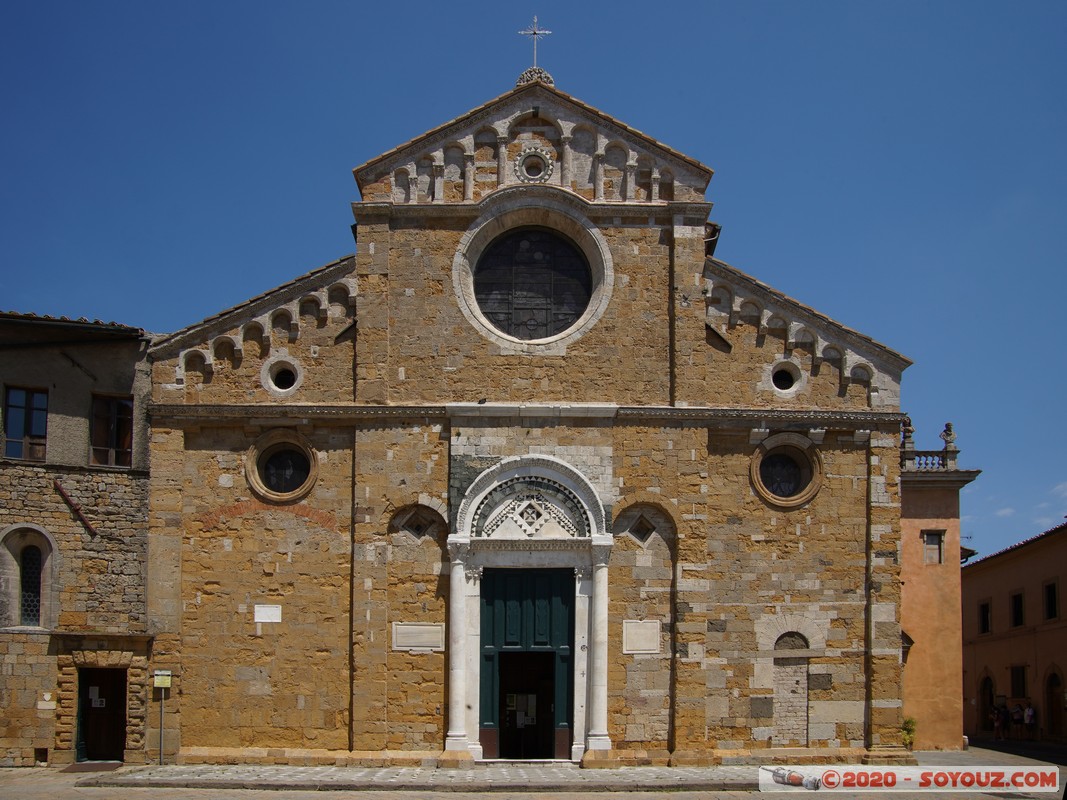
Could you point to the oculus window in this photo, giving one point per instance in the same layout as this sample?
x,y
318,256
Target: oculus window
x,y
786,470
532,283
281,466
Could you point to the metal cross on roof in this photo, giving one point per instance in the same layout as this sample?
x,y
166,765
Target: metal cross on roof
x,y
536,33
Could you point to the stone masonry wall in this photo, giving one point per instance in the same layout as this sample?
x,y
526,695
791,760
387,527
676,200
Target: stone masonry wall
x,y
398,577
642,588
94,582
28,689
748,572
280,684
98,576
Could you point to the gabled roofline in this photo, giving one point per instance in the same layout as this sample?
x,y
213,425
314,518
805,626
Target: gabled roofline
x,y
81,324
518,90
163,344
1059,529
855,337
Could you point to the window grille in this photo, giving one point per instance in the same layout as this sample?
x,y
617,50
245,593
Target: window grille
x,y
532,284
30,586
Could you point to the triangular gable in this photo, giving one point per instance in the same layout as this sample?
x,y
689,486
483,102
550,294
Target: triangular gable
x,y
745,290
734,299
523,99
333,282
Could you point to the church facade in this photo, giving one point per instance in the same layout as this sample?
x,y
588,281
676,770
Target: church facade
x,y
531,475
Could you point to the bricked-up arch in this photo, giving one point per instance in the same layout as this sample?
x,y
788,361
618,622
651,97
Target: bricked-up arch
x,y
20,603
644,592
790,691
419,521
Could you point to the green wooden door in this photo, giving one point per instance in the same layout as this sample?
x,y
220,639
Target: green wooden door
x,y
527,663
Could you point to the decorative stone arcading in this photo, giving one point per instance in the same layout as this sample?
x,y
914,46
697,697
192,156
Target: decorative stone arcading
x,y
731,300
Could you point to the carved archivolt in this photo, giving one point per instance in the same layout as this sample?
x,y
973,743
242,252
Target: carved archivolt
x,y
531,499
528,507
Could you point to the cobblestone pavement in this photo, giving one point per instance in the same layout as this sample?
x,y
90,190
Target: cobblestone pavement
x,y
526,781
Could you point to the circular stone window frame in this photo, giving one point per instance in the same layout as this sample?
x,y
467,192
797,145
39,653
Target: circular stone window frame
x,y
794,370
806,454
530,155
533,207
267,445
272,367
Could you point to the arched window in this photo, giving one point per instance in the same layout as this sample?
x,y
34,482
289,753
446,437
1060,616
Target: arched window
x,y
27,563
30,563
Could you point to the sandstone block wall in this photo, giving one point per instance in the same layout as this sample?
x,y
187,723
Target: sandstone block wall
x,y
28,692
93,583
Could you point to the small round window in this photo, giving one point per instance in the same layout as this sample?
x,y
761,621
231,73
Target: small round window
x,y
533,165
786,470
783,379
282,376
782,473
786,377
281,466
532,283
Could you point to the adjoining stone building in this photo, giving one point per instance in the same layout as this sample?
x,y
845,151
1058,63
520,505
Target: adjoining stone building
x,y
74,641
530,475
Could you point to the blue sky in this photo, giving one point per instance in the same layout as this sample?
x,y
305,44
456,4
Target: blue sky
x,y
900,166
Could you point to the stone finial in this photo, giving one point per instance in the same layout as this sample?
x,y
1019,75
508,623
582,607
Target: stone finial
x,y
535,75
949,437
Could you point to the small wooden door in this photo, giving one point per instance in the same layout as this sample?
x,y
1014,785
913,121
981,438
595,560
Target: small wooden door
x,y
101,714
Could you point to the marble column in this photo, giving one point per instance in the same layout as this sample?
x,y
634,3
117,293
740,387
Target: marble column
x,y
501,160
456,738
598,685
438,183
468,177
565,162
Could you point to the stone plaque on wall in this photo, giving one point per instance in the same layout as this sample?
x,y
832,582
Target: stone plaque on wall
x,y
419,636
268,614
640,636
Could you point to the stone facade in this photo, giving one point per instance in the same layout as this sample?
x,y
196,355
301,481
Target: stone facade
x,y
89,523
642,510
